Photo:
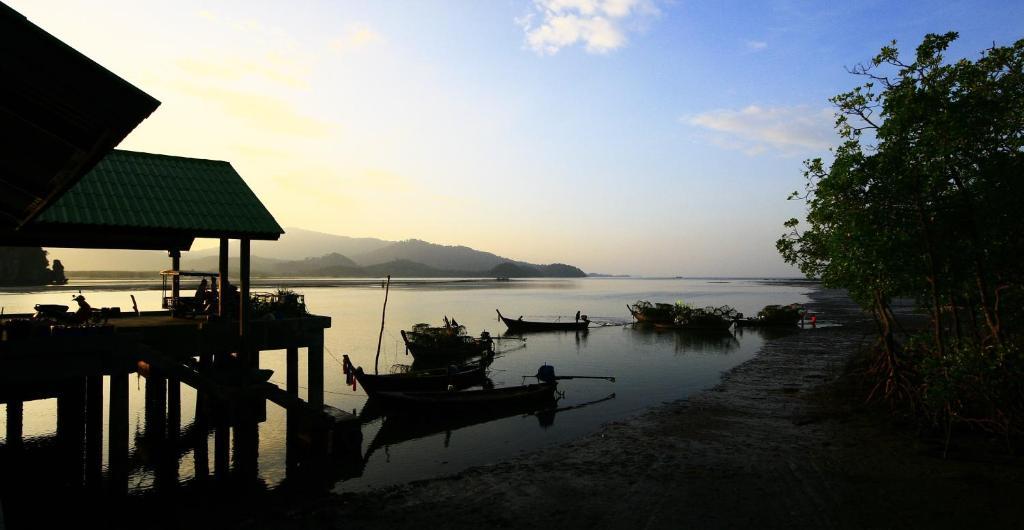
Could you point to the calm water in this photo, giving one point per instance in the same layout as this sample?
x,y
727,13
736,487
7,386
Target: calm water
x,y
651,367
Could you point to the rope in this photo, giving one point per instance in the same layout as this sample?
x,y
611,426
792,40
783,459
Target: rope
x,y
346,394
328,350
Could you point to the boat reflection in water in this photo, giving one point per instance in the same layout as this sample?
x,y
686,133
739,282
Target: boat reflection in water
x,y
687,341
400,426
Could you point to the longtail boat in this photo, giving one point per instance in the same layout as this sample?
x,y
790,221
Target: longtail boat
x,y
648,313
429,344
525,397
419,380
774,315
517,325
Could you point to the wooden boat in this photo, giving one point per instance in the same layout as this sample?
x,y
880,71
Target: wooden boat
x,y
662,314
518,325
774,315
431,345
419,380
525,397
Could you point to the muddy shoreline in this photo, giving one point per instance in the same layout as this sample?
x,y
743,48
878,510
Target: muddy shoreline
x,y
782,441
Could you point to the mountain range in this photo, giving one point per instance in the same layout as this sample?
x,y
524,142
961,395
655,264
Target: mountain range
x,y
306,252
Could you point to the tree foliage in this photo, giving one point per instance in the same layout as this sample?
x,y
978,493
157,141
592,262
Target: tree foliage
x,y
921,201
24,266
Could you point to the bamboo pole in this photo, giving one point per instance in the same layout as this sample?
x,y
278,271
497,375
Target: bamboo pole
x,y
384,312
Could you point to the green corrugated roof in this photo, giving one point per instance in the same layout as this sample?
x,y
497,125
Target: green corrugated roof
x,y
206,198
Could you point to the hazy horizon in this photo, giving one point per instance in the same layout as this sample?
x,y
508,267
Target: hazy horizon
x,y
647,137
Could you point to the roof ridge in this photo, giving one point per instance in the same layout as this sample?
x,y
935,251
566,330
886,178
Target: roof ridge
x,y
163,155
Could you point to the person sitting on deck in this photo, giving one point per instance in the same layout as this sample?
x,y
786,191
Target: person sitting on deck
x,y
201,290
84,312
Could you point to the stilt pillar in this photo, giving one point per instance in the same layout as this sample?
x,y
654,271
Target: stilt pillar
x,y
15,423
315,359
292,371
118,428
222,279
94,432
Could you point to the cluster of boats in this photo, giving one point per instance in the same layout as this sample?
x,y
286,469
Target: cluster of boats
x,y
712,319
452,365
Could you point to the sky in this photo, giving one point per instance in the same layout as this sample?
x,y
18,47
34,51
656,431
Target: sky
x,y
647,137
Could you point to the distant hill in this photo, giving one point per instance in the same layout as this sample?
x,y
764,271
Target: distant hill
x,y
295,244
517,270
298,243
433,255
309,253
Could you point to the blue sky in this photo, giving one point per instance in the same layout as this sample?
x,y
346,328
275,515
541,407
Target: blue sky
x,y
625,136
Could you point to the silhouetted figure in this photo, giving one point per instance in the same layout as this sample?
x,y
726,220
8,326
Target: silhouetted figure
x,y
577,317
84,312
58,273
201,290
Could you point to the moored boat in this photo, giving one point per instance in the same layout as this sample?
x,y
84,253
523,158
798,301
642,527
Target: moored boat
x,y
774,315
418,380
647,313
429,344
517,325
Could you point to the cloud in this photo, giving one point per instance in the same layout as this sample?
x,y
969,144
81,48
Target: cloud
x,y
356,37
600,25
756,130
756,45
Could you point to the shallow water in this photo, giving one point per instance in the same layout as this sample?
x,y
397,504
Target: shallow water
x,y
650,366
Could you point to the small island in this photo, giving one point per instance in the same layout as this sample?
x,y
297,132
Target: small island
x,y
28,266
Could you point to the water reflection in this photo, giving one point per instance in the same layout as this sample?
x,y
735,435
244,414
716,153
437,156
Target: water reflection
x,y
158,448
686,341
398,426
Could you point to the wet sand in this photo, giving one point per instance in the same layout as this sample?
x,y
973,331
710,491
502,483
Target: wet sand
x,y
783,441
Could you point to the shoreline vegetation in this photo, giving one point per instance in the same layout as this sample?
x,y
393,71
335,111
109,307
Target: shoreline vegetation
x,y
784,440
921,202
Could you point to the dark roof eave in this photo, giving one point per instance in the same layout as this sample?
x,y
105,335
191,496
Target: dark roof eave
x,y
61,228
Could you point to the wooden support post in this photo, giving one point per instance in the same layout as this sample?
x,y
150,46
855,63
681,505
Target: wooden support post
x,y
243,303
315,382
15,423
221,450
222,280
94,432
202,426
292,371
173,409
71,428
175,280
156,405
246,450
118,443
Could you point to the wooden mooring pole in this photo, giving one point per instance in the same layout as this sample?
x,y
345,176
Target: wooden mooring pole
x,y
383,314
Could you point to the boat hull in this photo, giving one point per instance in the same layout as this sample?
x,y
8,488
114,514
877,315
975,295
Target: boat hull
x,y
430,380
517,326
429,349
